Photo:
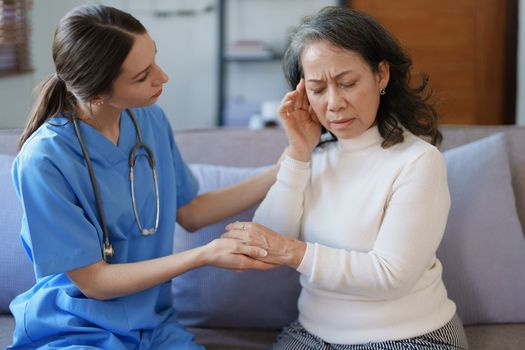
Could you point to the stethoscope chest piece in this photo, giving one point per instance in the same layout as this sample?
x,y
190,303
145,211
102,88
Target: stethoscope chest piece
x,y
108,251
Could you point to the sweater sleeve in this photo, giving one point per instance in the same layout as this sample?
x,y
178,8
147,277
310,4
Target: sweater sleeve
x,y
282,208
413,225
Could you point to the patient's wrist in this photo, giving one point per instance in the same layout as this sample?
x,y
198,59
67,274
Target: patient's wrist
x,y
300,155
295,251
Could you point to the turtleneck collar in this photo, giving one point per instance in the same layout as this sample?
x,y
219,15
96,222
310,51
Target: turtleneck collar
x,y
369,138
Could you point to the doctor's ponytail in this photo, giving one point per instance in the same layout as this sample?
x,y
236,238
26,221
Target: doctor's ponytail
x,y
52,99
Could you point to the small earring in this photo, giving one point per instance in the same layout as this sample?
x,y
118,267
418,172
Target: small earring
x,y
98,102
382,91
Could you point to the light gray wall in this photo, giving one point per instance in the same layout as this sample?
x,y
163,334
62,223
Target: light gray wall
x,y
15,91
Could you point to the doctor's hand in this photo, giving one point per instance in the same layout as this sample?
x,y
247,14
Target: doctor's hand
x,y
234,255
301,123
281,250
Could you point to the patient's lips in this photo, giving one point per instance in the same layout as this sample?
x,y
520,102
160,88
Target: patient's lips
x,y
343,123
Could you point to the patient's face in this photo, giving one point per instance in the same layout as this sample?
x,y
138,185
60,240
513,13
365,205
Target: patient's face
x,y
342,88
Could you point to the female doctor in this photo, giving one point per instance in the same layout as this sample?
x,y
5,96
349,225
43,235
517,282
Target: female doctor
x,y
102,183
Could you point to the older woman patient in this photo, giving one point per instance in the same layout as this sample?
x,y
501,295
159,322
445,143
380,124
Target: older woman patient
x,y
361,214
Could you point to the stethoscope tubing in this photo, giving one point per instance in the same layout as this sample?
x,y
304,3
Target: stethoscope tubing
x,y
151,161
107,249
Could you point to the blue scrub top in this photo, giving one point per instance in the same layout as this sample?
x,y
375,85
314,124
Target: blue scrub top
x,y
61,231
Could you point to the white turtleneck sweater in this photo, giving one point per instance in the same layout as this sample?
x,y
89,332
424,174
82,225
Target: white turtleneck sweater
x,y
372,219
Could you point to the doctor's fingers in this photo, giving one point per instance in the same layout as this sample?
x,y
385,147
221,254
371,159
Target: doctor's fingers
x,y
249,250
249,257
223,247
246,263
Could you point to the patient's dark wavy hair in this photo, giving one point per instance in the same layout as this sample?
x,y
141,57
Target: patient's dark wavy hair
x,y
402,105
89,46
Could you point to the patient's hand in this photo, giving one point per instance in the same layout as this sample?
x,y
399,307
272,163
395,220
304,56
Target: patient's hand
x,y
300,123
281,250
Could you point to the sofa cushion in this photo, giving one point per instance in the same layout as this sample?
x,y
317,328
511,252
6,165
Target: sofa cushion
x,y
16,274
215,297
483,249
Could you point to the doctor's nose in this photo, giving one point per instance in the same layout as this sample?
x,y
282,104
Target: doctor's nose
x,y
161,76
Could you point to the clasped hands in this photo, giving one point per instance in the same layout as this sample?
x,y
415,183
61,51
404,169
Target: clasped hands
x,y
281,250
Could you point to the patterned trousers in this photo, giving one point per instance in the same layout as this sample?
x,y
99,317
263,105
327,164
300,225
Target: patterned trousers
x,y
449,337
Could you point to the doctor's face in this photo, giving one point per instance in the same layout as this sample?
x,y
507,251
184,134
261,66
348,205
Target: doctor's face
x,y
342,88
141,79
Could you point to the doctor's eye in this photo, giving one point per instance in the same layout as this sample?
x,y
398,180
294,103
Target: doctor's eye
x,y
143,79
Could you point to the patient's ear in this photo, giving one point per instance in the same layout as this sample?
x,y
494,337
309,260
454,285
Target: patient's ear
x,y
383,73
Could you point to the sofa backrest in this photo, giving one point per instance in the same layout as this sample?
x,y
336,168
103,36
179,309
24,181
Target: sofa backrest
x,y
515,138
239,147
248,148
9,140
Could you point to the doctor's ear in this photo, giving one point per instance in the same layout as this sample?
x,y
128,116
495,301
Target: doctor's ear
x,y
97,101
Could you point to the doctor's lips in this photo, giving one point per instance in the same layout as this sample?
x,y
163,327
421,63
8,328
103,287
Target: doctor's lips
x,y
158,93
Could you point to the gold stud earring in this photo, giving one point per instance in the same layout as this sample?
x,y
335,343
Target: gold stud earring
x,y
382,91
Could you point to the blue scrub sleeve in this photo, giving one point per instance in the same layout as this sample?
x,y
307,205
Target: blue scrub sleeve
x,y
55,229
187,185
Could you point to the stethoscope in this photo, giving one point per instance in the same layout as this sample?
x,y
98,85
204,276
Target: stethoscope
x,y
107,249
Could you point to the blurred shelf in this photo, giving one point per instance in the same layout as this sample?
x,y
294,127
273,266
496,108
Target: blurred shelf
x,y
252,58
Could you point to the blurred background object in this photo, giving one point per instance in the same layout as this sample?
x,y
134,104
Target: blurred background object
x,y
224,56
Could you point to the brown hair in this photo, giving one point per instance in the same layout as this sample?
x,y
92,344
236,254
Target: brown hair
x,y
89,46
352,30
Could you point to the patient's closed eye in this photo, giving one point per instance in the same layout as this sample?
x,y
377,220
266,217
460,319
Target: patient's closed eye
x,y
348,84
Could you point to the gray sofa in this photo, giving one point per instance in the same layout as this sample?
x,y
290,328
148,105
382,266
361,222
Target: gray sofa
x,y
500,327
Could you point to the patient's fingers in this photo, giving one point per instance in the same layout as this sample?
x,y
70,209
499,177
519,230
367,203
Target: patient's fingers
x,y
287,104
247,238
239,225
304,97
298,101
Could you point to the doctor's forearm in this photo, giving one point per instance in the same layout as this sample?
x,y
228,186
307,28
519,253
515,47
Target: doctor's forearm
x,y
106,281
211,207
